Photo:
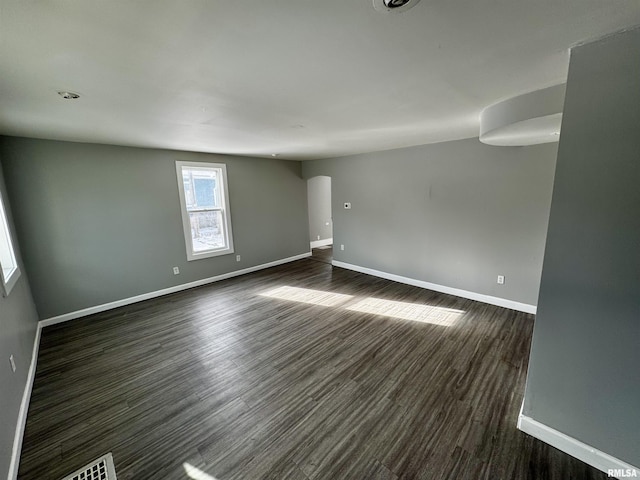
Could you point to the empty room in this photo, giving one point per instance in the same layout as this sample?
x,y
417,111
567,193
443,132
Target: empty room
x,y
318,240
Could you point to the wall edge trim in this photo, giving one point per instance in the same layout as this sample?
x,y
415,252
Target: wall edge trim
x,y
165,291
24,408
569,445
321,243
479,297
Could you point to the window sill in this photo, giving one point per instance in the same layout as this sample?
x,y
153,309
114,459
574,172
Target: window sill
x,y
209,254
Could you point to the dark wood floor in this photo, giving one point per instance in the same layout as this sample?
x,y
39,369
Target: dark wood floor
x,y
239,385
323,254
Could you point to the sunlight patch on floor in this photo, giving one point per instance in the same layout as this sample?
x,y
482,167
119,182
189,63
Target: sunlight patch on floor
x,y
196,473
408,311
306,295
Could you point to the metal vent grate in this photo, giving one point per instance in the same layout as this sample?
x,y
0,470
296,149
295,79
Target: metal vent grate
x,y
100,469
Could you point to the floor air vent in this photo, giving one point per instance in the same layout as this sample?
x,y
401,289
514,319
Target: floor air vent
x,y
100,469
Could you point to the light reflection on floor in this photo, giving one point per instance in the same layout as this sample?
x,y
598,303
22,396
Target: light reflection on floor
x,y
414,312
408,311
306,295
196,473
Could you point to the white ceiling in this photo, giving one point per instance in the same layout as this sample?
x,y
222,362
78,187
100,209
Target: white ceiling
x,y
301,78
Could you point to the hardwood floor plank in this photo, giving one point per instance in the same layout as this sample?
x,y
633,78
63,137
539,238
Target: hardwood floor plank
x,y
235,382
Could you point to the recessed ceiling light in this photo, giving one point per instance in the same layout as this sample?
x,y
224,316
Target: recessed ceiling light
x,y
69,95
395,3
395,6
275,154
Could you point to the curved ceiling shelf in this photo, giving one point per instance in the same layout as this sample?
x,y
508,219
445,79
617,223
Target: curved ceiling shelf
x,y
527,119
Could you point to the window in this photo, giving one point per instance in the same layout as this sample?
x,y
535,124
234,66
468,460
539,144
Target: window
x,y
205,209
10,270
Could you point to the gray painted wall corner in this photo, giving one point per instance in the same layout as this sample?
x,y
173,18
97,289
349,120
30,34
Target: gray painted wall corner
x,y
104,221
583,376
456,214
18,325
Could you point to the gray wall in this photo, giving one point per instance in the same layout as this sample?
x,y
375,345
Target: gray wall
x,y
18,322
584,373
456,214
319,200
100,223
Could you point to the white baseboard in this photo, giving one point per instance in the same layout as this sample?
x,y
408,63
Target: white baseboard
x,y
165,291
500,302
321,243
604,462
24,409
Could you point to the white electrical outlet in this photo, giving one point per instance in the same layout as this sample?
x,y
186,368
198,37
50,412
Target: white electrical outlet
x,y
318,237
500,279
347,205
176,271
341,247
238,258
13,363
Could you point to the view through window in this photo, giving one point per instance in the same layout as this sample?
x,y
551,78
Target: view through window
x,y
205,214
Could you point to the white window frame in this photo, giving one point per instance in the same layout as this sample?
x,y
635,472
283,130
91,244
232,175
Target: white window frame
x,y
8,275
224,208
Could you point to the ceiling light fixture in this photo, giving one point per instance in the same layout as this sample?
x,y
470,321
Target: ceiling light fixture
x,y
69,95
395,6
395,3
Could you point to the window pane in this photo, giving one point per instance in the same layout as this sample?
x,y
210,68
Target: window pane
x,y
7,260
201,188
7,256
207,230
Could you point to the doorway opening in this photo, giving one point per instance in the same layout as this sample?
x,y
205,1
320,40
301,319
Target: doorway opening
x,y
320,218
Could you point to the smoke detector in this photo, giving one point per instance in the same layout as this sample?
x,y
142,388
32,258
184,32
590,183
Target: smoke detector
x,y
69,95
394,6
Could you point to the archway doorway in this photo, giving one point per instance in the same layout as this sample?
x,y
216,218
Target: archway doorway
x,y
320,218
